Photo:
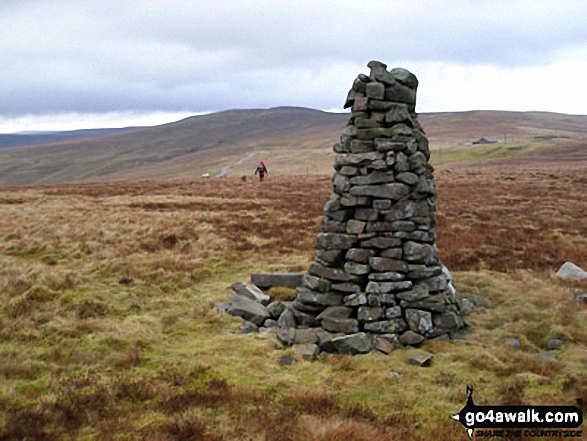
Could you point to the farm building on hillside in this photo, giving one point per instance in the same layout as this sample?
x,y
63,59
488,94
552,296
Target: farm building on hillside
x,y
487,140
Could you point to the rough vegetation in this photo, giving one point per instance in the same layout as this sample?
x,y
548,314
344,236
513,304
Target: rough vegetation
x,y
107,329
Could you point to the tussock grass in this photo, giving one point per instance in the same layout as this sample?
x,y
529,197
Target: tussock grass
x,y
108,330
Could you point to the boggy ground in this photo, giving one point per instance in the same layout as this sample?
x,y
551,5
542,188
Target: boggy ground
x,y
107,329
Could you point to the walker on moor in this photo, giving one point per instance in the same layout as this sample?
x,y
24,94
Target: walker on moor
x,y
261,170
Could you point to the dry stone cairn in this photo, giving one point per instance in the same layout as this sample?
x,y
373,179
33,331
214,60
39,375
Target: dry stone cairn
x,y
376,281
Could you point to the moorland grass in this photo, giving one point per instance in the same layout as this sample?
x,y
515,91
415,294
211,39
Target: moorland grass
x,y
108,329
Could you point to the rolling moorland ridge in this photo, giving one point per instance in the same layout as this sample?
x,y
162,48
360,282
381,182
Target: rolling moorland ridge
x,y
39,138
286,136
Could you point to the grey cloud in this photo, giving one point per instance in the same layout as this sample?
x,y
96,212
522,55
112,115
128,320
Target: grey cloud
x,y
496,32
96,56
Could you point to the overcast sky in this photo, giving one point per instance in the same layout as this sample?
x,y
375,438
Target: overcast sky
x,y
101,63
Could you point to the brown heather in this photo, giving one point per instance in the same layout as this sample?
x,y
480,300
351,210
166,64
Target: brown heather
x,y
108,332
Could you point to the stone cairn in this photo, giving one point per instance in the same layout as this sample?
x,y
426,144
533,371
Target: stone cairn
x,y
376,277
376,282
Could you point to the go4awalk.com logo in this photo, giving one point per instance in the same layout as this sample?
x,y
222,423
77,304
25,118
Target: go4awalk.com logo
x,y
514,421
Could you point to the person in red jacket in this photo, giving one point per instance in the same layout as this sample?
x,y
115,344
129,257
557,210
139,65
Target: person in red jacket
x,y
261,170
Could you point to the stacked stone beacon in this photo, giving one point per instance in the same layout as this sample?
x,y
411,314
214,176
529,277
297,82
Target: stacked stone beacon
x,y
376,281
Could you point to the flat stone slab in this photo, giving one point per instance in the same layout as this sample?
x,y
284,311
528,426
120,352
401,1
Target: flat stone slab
x,y
285,280
344,325
335,312
393,191
383,345
310,297
248,309
421,359
359,343
250,291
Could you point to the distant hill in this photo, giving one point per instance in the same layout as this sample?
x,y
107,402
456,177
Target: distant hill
x,y
291,140
39,138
